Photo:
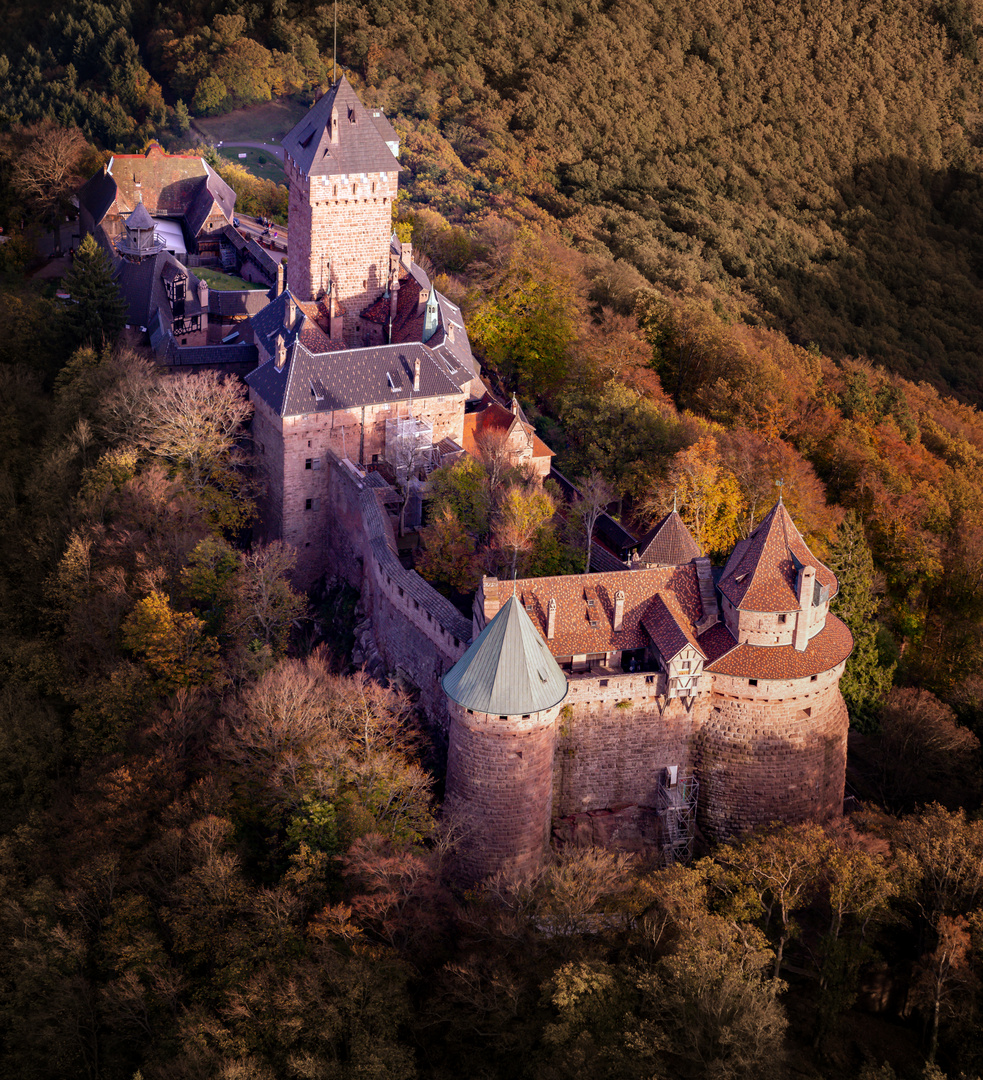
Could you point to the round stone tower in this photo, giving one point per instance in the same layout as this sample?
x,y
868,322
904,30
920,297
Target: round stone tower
x,y
504,695
774,745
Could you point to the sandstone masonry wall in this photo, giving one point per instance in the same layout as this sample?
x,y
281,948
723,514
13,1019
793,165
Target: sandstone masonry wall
x,y
783,759
500,787
340,229
614,741
419,633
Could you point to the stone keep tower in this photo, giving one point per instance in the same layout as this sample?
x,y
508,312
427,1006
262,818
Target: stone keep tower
x,y
504,696
342,171
773,747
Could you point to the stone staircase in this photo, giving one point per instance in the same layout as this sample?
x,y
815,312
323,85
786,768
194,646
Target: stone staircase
x,y
708,595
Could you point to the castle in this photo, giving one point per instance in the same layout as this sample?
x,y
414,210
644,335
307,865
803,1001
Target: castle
x,y
628,706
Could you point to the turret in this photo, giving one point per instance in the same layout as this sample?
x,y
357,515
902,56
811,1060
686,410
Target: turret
x,y
774,747
504,696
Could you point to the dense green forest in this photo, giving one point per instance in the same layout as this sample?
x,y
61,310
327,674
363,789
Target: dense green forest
x,y
710,247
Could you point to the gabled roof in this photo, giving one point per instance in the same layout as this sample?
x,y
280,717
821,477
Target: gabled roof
x,y
669,634
493,417
507,670
168,185
328,381
585,606
360,146
762,572
669,543
98,194
141,284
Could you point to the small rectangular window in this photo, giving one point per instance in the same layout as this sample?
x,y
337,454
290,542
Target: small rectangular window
x,y
312,504
812,678
782,618
317,464
604,682
309,463
752,682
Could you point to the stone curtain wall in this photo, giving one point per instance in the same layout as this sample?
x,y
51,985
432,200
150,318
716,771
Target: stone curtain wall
x,y
762,760
419,633
613,743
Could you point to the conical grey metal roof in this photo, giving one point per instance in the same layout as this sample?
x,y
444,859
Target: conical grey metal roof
x,y
507,670
140,218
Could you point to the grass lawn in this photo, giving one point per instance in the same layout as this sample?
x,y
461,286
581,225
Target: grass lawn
x,y
224,282
260,163
256,123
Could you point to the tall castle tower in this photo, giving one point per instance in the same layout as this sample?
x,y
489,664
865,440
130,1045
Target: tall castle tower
x,y
341,165
773,747
504,696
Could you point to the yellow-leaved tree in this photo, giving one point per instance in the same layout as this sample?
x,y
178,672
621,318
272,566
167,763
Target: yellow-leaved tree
x,y
172,643
708,495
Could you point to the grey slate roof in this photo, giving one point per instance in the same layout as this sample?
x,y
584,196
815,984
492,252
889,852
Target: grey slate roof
x,y
326,382
140,218
229,302
98,194
380,534
360,148
213,192
453,344
237,353
669,543
141,284
508,669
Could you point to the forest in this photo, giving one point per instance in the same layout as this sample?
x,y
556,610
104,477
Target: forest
x,y
710,247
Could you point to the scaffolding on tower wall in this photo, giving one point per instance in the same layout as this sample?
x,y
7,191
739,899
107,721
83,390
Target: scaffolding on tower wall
x,y
409,445
676,800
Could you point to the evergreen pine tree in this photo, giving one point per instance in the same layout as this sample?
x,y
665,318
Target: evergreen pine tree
x,y
97,311
866,681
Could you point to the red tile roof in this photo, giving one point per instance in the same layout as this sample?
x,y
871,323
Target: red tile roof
x,y
585,627
669,543
761,573
495,417
669,633
831,646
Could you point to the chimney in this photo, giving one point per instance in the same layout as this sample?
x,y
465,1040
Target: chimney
x,y
489,593
279,278
334,125
290,312
551,620
416,375
803,620
619,609
281,352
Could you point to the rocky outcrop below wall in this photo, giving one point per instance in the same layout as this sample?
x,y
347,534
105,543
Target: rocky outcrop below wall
x,y
762,760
